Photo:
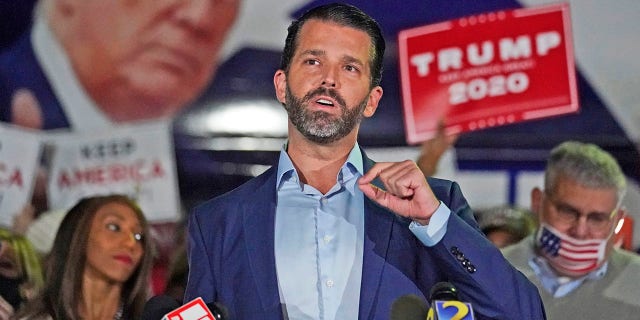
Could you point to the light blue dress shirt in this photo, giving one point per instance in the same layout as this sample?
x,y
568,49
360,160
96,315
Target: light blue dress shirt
x,y
319,241
559,286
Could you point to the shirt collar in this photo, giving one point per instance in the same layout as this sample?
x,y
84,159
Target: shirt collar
x,y
286,171
82,112
560,286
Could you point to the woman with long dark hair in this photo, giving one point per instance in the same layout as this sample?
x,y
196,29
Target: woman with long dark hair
x,y
99,265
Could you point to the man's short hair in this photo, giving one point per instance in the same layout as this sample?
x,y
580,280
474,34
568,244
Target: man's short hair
x,y
344,15
587,165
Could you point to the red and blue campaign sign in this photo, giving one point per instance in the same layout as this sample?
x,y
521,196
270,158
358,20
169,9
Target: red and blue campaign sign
x,y
487,70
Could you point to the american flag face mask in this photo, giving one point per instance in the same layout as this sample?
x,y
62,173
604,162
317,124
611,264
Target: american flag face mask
x,y
569,255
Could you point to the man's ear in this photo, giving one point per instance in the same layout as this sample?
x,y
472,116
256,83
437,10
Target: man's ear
x,y
280,84
372,104
25,110
536,202
620,213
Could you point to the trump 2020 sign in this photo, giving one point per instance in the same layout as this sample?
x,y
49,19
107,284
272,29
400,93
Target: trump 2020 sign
x,y
487,70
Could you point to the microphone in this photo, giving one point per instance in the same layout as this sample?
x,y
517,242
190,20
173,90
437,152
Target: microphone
x,y
445,305
164,307
219,311
158,306
409,307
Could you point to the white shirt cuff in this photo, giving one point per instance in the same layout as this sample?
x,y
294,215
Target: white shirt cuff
x,y
432,233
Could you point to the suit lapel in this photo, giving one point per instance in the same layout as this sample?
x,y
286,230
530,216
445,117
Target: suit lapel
x,y
378,224
259,225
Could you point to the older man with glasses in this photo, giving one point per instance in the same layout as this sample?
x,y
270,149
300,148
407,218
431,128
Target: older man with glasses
x,y
571,257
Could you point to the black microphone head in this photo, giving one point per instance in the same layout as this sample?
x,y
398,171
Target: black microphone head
x,y
219,311
158,306
443,291
409,307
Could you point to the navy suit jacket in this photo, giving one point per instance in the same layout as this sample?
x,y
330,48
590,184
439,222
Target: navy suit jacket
x,y
232,259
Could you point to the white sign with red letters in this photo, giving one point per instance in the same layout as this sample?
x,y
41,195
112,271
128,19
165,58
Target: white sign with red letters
x,y
19,156
136,160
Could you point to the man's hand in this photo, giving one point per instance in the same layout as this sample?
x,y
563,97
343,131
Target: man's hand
x,y
432,150
24,219
407,192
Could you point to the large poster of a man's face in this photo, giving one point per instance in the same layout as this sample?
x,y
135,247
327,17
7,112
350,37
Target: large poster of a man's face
x,y
128,60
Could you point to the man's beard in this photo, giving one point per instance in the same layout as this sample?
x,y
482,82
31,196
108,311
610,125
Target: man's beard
x,y
319,126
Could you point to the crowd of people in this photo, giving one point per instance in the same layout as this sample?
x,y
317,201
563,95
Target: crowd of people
x,y
326,233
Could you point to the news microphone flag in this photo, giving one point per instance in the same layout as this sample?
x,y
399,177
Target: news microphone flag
x,y
450,310
195,309
584,254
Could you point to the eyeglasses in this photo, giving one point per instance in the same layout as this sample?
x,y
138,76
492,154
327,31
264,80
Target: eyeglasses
x,y
569,215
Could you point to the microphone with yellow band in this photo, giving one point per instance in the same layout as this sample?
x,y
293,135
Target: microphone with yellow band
x,y
445,305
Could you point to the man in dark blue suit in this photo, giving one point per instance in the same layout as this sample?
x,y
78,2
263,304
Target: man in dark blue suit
x,y
327,233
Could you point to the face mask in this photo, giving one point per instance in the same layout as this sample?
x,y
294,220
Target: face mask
x,y
570,256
